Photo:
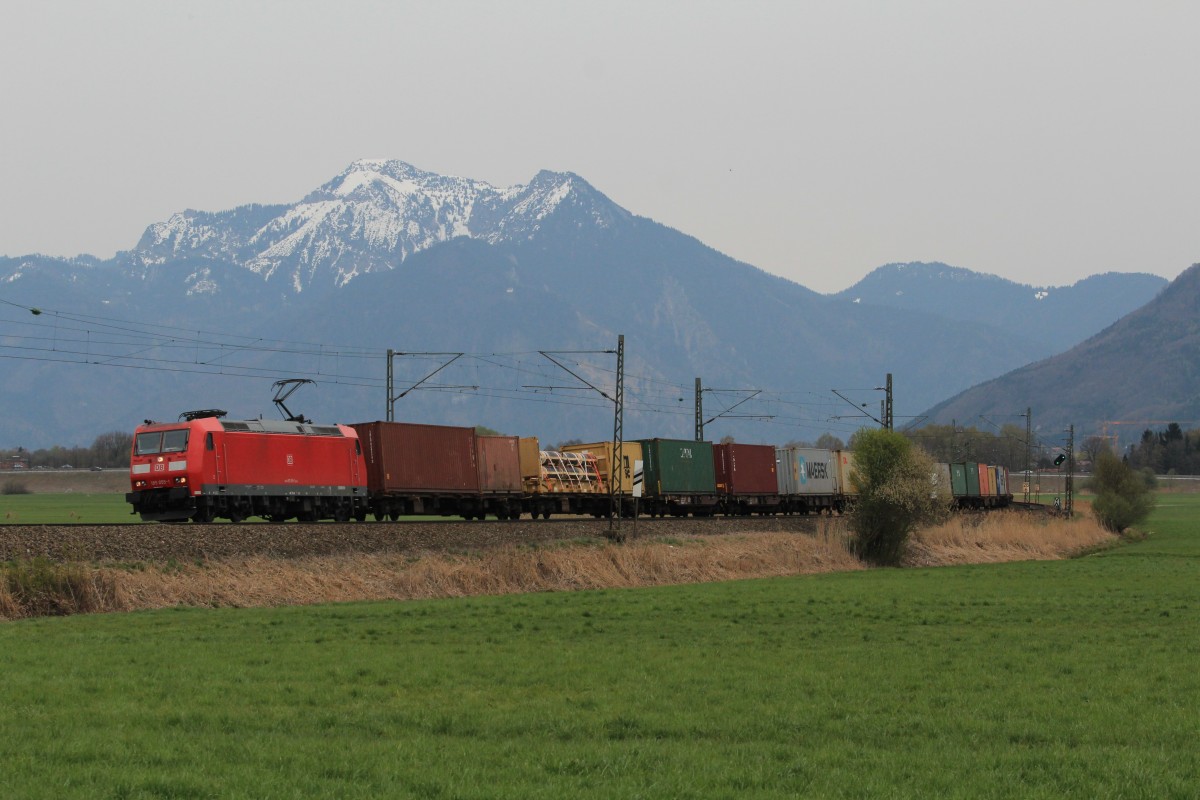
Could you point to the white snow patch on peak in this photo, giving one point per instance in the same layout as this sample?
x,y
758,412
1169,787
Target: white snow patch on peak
x,y
360,178
541,202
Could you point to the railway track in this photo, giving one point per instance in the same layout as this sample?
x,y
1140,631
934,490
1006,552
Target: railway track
x,y
162,542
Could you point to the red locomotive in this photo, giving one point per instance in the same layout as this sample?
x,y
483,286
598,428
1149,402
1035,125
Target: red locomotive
x,y
204,467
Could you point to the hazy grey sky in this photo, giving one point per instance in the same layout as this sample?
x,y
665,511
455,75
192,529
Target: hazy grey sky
x,y
1041,141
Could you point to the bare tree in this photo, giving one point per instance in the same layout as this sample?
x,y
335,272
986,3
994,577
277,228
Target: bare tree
x,y
827,441
112,449
1093,446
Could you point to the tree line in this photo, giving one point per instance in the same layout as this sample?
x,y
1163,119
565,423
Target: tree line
x,y
952,444
1172,451
108,450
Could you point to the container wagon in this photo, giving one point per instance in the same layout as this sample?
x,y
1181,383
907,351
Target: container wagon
x,y
975,485
807,480
421,469
746,480
562,482
679,478
847,486
500,480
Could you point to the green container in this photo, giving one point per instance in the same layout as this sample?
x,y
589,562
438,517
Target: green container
x,y
972,468
678,467
958,480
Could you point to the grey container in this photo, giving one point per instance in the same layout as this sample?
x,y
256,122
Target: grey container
x,y
806,471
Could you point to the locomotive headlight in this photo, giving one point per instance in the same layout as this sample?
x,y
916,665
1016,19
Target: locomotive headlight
x,y
181,480
139,484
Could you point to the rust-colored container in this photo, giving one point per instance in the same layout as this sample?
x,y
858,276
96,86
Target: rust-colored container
x,y
406,457
986,486
499,464
745,468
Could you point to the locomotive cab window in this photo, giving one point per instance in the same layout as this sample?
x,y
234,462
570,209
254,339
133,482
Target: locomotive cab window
x,y
175,441
147,444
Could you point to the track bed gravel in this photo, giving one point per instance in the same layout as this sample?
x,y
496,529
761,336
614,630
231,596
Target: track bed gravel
x,y
161,542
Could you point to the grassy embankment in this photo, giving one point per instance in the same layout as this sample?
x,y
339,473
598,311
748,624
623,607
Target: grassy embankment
x,y
1045,679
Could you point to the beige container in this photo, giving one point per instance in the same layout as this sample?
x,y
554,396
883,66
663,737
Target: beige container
x,y
631,452
845,473
527,452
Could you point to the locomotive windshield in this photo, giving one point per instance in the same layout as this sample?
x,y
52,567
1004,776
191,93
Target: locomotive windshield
x,y
174,441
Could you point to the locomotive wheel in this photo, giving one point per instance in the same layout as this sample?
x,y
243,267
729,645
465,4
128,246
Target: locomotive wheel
x,y
203,515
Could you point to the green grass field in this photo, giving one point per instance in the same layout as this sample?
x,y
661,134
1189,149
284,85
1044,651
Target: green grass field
x,y
67,507
1029,680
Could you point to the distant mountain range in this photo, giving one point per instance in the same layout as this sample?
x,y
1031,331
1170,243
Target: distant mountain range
x,y
388,256
1057,317
1143,369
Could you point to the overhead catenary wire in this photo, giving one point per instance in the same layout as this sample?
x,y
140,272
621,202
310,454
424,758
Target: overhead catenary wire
x,y
118,343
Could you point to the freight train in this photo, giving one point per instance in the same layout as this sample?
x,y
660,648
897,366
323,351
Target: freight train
x,y
204,467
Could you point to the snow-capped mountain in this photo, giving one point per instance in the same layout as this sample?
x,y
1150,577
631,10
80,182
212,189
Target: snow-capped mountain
x,y
386,256
371,217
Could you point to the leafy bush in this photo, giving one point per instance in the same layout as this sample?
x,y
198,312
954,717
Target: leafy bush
x,y
896,494
14,486
1122,495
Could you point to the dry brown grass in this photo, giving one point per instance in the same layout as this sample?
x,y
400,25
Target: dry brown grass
x,y
1005,536
264,581
9,607
42,588
565,566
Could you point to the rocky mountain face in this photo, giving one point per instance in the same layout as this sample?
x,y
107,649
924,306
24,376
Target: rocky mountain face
x,y
211,307
1144,367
